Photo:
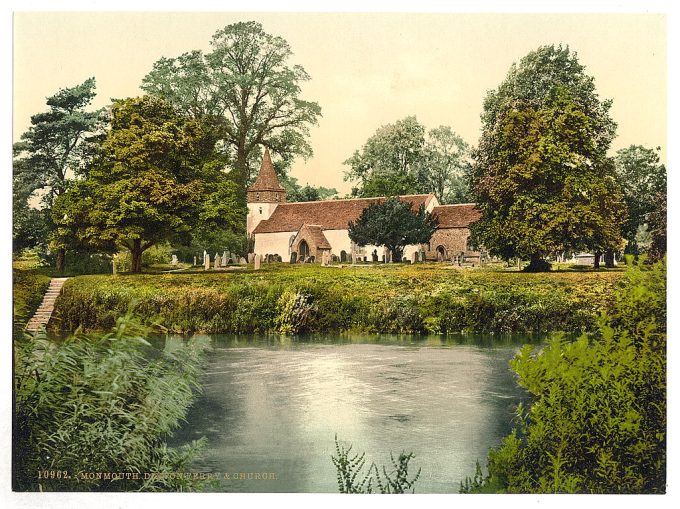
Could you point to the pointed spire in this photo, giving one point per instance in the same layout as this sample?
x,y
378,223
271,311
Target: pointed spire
x,y
267,179
266,188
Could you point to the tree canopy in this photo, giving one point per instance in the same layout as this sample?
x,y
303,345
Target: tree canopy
x,y
392,223
156,178
247,90
50,156
641,177
540,174
402,158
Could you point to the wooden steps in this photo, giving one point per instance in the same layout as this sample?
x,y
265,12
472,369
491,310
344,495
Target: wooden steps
x,y
44,312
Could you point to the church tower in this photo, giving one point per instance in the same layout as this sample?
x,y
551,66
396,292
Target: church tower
x,y
265,194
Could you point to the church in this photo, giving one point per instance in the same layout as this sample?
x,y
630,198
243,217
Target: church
x,y
316,231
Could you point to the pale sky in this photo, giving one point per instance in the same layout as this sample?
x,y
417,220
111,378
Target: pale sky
x,y
366,70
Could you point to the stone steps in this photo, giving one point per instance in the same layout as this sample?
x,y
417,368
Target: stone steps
x,y
44,312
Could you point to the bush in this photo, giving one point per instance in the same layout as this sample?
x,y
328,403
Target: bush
x,y
352,480
102,403
389,299
597,423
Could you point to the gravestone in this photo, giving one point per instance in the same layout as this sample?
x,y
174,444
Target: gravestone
x,y
251,257
415,257
174,260
195,260
217,261
206,258
293,257
257,262
242,261
224,259
374,255
205,253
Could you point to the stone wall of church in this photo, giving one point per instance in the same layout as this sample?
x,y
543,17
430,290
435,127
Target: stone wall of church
x,y
454,241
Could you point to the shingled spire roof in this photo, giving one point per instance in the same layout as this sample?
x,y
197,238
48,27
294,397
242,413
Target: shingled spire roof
x,y
267,179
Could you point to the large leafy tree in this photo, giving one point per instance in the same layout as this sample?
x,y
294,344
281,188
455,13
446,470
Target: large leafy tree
x,y
154,181
388,164
402,158
392,223
445,166
49,157
246,88
540,175
641,177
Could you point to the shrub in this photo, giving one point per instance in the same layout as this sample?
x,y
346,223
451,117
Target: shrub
x,y
295,312
102,403
352,480
597,423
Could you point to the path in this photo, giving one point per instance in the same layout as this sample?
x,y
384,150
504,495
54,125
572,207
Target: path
x,y
44,312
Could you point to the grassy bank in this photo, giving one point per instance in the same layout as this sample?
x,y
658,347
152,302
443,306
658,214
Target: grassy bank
x,y
28,287
431,298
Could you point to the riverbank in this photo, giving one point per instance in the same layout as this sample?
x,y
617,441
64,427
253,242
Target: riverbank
x,y
279,298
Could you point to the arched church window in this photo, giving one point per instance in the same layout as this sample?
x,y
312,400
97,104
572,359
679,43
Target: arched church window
x,y
257,197
260,210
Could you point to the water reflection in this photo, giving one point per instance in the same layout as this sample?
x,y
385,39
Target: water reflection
x,y
274,404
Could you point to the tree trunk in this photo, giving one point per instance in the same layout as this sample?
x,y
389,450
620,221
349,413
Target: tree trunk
x,y
609,258
136,252
241,171
596,263
61,258
537,264
397,254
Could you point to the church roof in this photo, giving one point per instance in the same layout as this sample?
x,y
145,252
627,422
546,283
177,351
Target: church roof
x,y
327,214
266,179
316,235
456,216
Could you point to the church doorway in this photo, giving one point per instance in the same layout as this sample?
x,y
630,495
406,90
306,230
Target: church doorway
x,y
441,253
303,249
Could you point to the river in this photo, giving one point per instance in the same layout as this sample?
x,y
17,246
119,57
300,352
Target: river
x,y
273,405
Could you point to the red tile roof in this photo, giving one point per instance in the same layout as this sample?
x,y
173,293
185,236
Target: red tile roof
x,y
316,235
327,214
266,179
456,216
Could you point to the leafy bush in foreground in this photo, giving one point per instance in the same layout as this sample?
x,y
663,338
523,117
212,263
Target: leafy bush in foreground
x,y
102,404
598,420
349,469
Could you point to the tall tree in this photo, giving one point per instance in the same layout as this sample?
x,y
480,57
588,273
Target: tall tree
x,y
247,89
657,220
641,177
52,153
445,166
155,180
392,223
540,174
401,158
388,164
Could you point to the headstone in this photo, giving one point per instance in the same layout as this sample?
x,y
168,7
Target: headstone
x,y
206,258
224,259
293,257
374,255
113,264
251,257
205,253
242,261
195,260
174,260
217,261
257,262
415,257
